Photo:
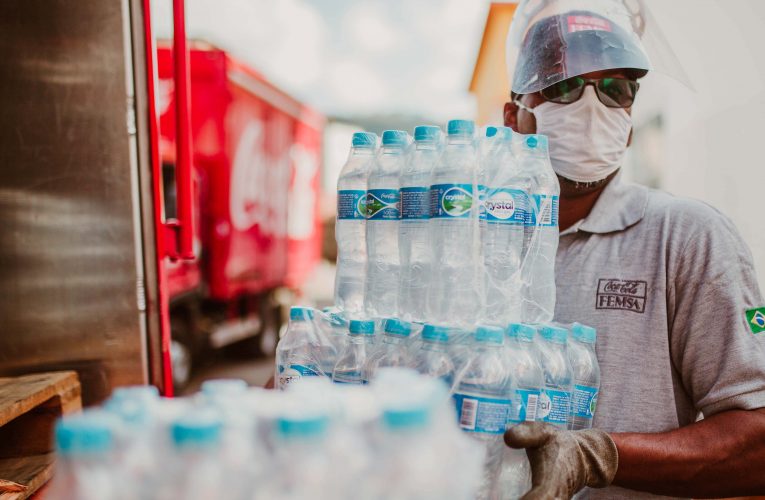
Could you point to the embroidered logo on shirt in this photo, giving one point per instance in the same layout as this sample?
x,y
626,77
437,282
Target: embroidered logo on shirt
x,y
628,295
756,319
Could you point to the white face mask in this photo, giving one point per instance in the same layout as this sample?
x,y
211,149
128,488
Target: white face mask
x,y
587,139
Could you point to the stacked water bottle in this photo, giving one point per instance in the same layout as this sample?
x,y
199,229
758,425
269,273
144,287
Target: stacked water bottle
x,y
393,439
446,254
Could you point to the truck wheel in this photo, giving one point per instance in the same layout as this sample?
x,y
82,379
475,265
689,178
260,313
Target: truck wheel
x,y
181,359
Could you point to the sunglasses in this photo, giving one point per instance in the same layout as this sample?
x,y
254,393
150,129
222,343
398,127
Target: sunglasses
x,y
612,92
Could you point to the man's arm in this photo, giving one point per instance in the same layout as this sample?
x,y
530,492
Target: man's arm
x,y
723,455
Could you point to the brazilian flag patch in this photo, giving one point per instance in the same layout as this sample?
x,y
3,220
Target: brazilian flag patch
x,y
756,319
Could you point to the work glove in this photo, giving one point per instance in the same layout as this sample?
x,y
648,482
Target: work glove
x,y
563,462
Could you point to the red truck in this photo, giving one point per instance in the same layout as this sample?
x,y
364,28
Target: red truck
x,y
256,165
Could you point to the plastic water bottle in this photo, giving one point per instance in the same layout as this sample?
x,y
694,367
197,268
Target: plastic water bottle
x,y
541,231
454,291
302,466
584,364
392,351
303,351
349,368
504,198
195,470
335,327
433,358
86,468
523,360
483,395
383,214
414,237
555,400
350,228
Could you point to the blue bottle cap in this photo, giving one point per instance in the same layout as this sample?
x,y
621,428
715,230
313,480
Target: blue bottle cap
x,y
584,333
361,327
489,334
364,140
396,326
461,127
435,333
554,334
406,418
225,386
536,141
299,313
133,404
394,138
337,319
302,427
491,131
426,133
89,433
521,331
201,429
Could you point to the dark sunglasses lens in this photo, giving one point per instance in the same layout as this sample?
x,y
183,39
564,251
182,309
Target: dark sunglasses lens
x,y
564,92
617,92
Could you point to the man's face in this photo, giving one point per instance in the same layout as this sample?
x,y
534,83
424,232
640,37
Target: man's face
x,y
524,122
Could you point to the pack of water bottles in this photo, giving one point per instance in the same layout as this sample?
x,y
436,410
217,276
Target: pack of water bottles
x,y
496,377
455,230
394,439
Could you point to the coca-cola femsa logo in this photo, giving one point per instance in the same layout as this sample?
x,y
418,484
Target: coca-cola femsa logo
x,y
628,295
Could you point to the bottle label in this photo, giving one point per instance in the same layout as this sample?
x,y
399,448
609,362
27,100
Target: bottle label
x,y
503,205
554,407
351,204
383,204
482,414
525,406
415,203
543,211
349,378
292,373
449,201
584,401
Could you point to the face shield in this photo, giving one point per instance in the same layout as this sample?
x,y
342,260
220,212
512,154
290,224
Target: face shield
x,y
552,40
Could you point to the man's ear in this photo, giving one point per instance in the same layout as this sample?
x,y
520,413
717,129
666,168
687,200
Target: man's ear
x,y
511,115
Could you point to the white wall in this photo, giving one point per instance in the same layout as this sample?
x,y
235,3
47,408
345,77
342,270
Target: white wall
x,y
713,140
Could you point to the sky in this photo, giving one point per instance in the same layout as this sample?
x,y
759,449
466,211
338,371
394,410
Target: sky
x,y
350,57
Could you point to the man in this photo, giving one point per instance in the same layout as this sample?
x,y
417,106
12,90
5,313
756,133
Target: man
x,y
667,282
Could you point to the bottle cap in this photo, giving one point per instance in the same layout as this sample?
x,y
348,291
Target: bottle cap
x,y
91,432
583,333
536,141
406,418
555,334
521,331
201,429
361,327
394,138
298,313
302,426
491,131
489,334
364,140
224,386
461,127
426,133
395,326
435,333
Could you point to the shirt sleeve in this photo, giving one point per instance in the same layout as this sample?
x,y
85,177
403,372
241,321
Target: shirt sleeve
x,y
712,285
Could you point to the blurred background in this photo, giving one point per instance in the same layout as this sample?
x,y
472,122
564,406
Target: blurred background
x,y
276,90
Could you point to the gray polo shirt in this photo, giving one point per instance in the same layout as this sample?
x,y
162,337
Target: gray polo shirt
x,y
671,288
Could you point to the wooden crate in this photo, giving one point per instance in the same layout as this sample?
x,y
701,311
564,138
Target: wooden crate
x,y
29,406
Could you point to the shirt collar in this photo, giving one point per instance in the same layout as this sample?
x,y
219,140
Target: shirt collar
x,y
620,205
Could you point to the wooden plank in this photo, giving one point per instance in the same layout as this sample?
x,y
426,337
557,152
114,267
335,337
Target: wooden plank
x,y
18,395
29,407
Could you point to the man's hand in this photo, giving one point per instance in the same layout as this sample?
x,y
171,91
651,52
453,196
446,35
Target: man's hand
x,y
564,462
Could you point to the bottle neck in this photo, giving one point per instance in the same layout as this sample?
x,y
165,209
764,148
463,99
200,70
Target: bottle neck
x,y
426,146
393,339
432,345
459,140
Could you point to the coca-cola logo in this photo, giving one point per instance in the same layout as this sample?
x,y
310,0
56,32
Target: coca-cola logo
x,y
628,295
